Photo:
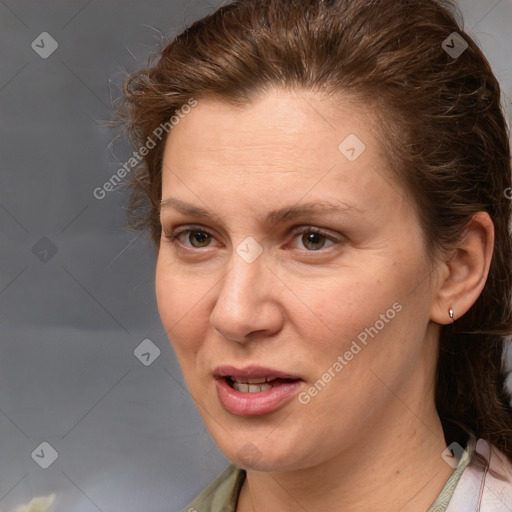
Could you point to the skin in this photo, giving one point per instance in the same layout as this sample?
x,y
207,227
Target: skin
x,y
371,439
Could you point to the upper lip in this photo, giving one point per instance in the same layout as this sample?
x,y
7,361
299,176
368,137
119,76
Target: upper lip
x,y
251,372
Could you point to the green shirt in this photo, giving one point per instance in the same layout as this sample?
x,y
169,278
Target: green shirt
x,y
222,494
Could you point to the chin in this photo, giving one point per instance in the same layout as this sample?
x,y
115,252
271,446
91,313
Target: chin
x,y
264,453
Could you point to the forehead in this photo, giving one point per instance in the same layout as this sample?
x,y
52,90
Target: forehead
x,y
293,142
299,121
295,124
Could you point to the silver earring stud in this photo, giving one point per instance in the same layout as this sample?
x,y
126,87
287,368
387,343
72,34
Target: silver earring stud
x,y
450,313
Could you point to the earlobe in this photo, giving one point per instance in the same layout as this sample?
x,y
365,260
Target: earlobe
x,y
466,271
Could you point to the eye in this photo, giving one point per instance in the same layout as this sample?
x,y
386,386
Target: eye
x,y
307,238
194,238
314,239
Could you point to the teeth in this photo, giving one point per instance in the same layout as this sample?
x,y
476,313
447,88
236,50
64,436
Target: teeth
x,y
259,380
256,385
251,388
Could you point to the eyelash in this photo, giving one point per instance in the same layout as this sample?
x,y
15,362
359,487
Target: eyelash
x,y
174,237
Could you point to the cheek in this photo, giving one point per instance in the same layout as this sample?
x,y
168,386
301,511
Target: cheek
x,y
370,333
182,301
359,322
341,308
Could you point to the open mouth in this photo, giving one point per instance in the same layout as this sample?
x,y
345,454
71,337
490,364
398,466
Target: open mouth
x,y
256,385
254,390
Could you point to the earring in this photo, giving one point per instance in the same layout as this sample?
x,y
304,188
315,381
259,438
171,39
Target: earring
x,y
450,313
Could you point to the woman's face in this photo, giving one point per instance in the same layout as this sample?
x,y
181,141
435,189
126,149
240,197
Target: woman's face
x,y
296,255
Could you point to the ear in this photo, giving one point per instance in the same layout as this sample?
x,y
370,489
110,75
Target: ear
x,y
464,274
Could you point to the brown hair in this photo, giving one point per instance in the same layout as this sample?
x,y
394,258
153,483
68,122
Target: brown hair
x,y
442,129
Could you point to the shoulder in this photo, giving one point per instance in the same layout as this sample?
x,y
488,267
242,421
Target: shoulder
x,y
485,488
222,494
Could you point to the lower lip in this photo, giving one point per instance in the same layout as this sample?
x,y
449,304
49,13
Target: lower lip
x,y
255,404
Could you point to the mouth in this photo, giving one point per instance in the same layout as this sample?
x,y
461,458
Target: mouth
x,y
256,385
254,391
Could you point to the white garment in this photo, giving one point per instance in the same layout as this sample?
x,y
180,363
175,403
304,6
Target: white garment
x,y
480,491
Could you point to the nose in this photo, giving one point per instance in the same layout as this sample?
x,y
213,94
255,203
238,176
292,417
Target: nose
x,y
247,305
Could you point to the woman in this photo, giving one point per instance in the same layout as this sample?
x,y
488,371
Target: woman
x,y
325,184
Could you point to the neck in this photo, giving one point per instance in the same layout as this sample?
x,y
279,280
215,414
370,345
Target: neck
x,y
399,469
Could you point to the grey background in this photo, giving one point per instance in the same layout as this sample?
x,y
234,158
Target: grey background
x,y
128,436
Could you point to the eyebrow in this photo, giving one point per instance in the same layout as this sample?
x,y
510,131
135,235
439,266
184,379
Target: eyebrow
x,y
275,217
